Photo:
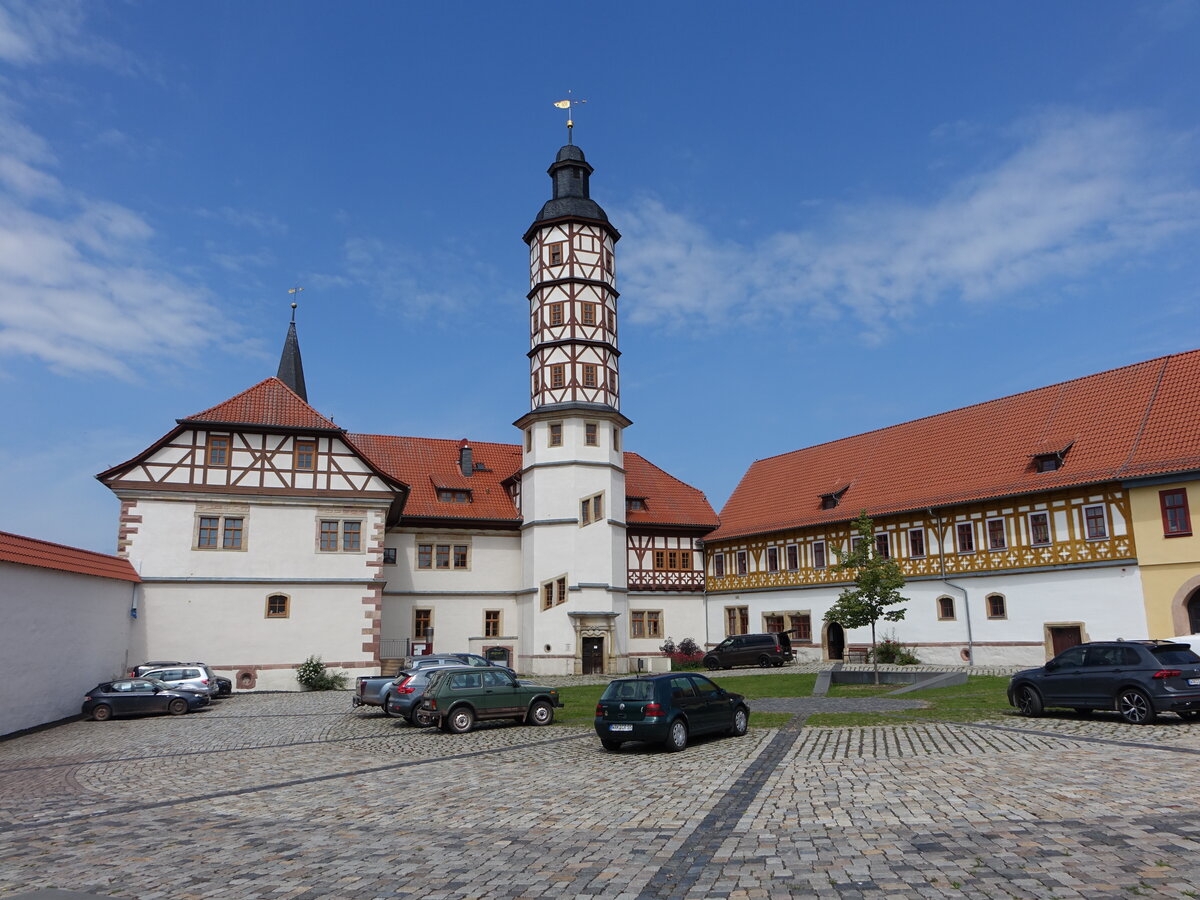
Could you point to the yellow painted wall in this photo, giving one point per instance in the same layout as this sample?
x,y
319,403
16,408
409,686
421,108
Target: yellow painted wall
x,y
1170,566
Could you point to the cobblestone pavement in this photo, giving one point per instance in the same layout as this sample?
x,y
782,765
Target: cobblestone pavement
x,y
299,796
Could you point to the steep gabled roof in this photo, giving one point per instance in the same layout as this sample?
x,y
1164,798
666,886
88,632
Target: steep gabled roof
x,y
27,551
668,500
1136,421
424,463
270,403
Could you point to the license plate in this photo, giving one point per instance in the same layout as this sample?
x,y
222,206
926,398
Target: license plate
x,y
620,728
1194,681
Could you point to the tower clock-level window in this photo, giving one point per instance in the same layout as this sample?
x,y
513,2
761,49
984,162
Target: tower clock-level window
x,y
220,532
217,451
340,536
557,376
556,314
556,434
589,375
591,435
277,606
556,254
306,454
554,592
589,313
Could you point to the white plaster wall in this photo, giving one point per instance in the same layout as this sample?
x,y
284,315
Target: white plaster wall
x,y
682,617
278,537
457,620
50,617
225,625
495,564
1108,601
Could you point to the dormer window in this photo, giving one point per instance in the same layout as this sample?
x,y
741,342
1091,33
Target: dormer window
x,y
448,496
635,504
833,498
1050,460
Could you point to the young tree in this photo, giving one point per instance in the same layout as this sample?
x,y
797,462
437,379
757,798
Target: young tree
x,y
877,583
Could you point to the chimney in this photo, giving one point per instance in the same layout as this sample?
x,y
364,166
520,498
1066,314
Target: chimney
x,y
465,465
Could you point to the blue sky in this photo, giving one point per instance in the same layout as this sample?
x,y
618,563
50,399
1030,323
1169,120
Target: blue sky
x,y
835,217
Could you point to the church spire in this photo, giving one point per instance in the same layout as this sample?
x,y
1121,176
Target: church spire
x,y
291,369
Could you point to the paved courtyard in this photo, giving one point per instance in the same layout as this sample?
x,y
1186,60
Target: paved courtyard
x,y
283,796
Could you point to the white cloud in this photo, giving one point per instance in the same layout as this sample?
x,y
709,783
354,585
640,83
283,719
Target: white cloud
x,y
1076,192
34,32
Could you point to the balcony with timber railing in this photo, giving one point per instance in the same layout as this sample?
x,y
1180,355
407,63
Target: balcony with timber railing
x,y
664,580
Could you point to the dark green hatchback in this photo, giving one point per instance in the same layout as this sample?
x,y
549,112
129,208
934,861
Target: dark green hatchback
x,y
668,709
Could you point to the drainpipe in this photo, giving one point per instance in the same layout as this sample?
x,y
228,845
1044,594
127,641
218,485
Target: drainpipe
x,y
949,583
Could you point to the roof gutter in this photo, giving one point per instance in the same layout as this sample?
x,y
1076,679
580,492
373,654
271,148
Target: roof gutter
x,y
957,587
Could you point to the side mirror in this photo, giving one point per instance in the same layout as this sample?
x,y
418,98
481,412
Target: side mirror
x,y
1052,665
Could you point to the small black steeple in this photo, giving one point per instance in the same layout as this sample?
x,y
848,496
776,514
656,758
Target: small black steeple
x,y
291,369
569,174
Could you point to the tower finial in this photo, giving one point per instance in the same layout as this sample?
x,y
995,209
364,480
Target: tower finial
x,y
567,105
295,292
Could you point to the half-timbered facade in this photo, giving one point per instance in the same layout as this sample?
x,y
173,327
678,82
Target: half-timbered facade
x,y
1013,522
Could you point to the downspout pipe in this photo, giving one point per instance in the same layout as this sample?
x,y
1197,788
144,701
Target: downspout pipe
x,y
946,581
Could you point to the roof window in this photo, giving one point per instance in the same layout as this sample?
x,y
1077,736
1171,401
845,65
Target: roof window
x,y
1050,460
833,498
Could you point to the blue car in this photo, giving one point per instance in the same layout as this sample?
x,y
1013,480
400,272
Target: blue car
x,y
140,696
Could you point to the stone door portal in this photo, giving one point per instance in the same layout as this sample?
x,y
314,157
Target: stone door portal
x,y
593,656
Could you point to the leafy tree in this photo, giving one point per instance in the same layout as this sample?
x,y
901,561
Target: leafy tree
x,y
877,583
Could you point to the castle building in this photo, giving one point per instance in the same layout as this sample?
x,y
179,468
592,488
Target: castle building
x,y
262,533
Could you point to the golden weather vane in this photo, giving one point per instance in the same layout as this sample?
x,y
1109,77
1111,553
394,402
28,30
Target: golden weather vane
x,y
568,104
295,292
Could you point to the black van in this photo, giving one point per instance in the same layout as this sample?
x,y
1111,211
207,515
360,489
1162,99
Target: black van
x,y
750,650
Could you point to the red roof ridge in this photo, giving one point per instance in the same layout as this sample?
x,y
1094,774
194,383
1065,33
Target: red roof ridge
x,y
271,383
664,471
22,550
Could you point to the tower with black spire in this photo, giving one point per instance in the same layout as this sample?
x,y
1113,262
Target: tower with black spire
x,y
291,369
573,478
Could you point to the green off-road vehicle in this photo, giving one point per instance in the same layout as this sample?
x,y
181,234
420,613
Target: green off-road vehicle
x,y
458,698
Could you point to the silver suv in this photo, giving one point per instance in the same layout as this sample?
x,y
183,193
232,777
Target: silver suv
x,y
193,676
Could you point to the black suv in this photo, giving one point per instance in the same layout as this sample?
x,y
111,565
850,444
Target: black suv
x,y
1138,679
750,650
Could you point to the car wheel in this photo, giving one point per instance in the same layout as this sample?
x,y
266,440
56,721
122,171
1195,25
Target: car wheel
x,y
711,664
1083,711
678,736
387,712
1029,701
541,713
102,712
422,720
461,720
764,661
177,707
1135,707
607,744
741,722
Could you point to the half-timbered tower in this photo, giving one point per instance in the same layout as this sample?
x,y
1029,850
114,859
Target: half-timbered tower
x,y
572,479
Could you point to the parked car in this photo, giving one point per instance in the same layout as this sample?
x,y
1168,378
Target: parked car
x,y
139,696
668,709
369,689
750,650
457,698
1138,679
193,675
224,685
402,696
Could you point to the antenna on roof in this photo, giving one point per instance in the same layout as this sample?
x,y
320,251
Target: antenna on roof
x,y
567,105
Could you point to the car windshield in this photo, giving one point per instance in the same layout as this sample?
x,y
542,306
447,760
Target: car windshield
x,y
629,690
1175,655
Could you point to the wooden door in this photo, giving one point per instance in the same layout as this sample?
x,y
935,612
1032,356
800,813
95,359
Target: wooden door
x,y
836,641
1064,637
593,656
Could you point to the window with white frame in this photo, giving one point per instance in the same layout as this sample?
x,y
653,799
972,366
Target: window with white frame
x,y
743,563
1039,529
819,559
718,565
883,545
773,560
793,557
916,542
964,533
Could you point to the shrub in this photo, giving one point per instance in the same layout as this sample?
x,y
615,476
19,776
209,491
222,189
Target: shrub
x,y
684,655
313,675
891,651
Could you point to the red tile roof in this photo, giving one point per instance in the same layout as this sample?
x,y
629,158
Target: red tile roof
x,y
424,462
31,552
271,403
668,500
1135,421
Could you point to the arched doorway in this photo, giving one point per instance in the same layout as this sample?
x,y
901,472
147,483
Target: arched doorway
x,y
1193,612
835,641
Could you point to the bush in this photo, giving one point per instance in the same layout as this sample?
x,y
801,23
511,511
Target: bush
x,y
687,654
313,675
891,651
